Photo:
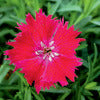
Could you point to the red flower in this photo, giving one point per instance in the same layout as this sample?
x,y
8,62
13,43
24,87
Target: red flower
x,y
45,51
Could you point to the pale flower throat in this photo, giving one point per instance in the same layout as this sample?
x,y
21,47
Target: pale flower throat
x,y
46,52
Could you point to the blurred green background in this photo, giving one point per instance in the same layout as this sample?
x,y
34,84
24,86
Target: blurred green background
x,y
85,15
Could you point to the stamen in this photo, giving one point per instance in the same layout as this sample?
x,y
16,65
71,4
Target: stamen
x,y
56,54
50,43
52,47
52,55
50,58
42,44
44,56
37,53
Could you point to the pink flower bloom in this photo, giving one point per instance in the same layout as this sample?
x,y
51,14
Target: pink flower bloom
x,y
45,51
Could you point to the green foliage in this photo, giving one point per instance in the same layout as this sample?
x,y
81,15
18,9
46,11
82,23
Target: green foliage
x,y
85,15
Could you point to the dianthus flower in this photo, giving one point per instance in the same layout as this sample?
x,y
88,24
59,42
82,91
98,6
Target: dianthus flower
x,y
45,51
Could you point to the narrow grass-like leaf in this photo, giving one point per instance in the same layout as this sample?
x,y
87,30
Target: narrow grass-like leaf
x,y
90,85
96,88
16,19
95,55
96,75
89,73
54,7
57,90
18,95
87,93
20,10
1,99
85,63
72,18
6,19
95,30
27,95
82,97
3,71
97,41
13,78
5,9
83,22
96,21
63,97
36,95
22,78
9,87
6,31
81,47
69,7
95,3
86,5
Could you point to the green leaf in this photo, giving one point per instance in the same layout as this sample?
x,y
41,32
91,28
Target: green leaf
x,y
18,94
96,88
54,7
97,41
57,90
37,96
5,9
85,63
69,7
95,4
87,93
1,99
90,71
83,22
95,30
22,78
16,19
63,97
3,71
96,21
27,95
8,20
90,5
82,97
81,47
86,5
9,87
96,74
37,5
95,55
90,85
20,10
6,31
13,78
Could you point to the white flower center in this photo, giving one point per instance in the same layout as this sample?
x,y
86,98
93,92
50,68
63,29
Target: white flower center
x,y
47,52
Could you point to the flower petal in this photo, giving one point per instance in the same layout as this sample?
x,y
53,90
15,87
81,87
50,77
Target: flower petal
x,y
65,40
31,68
23,48
54,73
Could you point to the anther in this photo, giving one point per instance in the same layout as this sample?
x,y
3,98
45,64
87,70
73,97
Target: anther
x,y
50,58
44,56
42,44
56,54
52,55
50,43
37,53
52,47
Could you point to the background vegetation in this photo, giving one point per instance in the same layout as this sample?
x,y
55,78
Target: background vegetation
x,y
85,15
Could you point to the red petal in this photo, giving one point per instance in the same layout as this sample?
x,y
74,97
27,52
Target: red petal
x,y
31,68
54,73
65,42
